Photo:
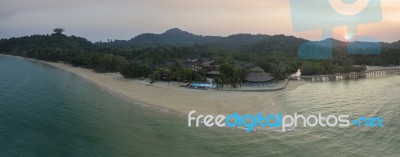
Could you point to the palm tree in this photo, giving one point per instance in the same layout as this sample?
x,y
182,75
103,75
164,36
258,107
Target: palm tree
x,y
175,72
217,81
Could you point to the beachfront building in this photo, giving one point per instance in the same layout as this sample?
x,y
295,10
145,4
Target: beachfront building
x,y
213,74
210,68
257,77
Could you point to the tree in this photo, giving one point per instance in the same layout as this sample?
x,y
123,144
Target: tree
x,y
105,63
218,82
58,31
231,75
186,74
175,72
226,70
119,63
156,75
134,70
110,63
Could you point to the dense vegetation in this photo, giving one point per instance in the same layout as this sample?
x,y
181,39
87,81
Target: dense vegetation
x,y
151,55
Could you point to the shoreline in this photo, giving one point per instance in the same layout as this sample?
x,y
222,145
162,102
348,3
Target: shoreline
x,y
177,99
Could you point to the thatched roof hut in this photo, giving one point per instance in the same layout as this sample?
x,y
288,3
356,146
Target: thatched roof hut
x,y
213,73
258,75
257,69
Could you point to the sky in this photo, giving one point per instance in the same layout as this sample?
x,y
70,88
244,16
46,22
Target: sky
x,y
99,20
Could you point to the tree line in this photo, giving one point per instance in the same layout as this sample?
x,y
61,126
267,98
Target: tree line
x,y
272,55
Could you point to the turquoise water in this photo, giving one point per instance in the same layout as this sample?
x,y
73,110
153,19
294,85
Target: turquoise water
x,y
45,111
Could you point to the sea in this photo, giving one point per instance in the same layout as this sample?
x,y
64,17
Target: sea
x,y
46,111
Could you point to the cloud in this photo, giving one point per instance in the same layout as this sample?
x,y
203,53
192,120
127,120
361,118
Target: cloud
x,y
123,19
16,6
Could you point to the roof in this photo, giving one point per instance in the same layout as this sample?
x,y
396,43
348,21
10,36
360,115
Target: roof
x,y
213,72
207,63
258,77
257,69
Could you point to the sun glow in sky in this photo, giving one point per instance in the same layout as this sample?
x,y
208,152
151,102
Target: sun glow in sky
x,y
348,36
123,19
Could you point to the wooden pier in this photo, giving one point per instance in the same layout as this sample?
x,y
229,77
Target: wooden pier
x,y
370,73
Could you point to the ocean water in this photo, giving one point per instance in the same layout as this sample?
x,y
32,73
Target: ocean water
x,y
45,111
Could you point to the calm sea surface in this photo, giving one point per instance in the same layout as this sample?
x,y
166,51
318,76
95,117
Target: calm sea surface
x,y
45,111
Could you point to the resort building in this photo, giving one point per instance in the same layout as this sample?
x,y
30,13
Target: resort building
x,y
258,77
213,74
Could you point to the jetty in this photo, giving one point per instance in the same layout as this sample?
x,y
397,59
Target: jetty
x,y
371,72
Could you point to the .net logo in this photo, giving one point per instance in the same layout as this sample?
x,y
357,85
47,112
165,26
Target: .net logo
x,y
249,122
325,15
369,122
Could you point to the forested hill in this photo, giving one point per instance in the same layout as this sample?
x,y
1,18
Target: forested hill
x,y
57,41
153,51
242,42
177,37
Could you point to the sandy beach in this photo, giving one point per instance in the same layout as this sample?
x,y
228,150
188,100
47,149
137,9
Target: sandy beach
x,y
178,99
